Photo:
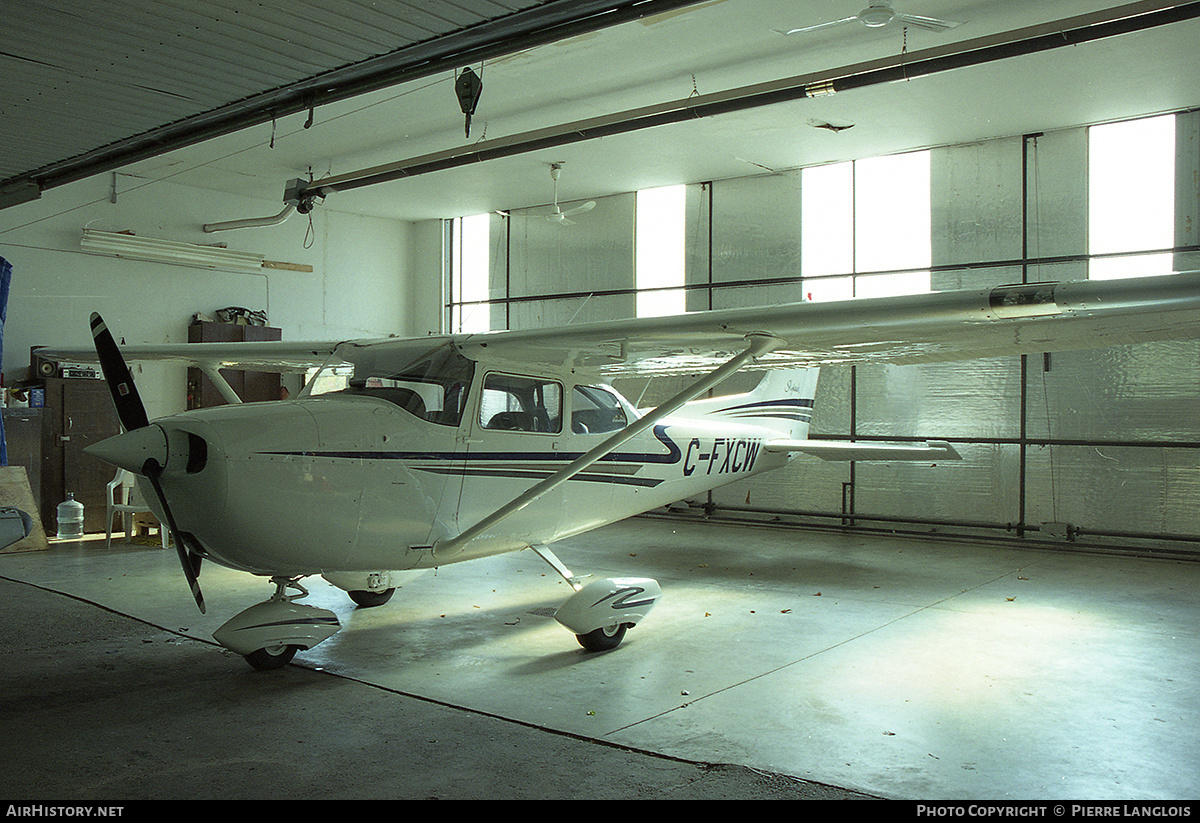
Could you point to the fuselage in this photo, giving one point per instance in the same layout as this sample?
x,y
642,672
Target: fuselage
x,y
401,459
358,483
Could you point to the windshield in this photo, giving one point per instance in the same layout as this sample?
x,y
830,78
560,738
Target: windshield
x,y
433,388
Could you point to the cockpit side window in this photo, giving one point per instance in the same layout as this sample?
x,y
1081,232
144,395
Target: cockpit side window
x,y
525,404
595,409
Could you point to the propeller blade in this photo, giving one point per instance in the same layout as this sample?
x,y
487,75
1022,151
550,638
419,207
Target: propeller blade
x,y
152,470
130,410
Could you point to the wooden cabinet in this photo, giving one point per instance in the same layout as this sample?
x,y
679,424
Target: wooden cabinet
x,y
78,413
23,437
250,386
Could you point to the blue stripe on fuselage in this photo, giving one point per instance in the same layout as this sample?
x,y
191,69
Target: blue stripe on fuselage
x,y
673,454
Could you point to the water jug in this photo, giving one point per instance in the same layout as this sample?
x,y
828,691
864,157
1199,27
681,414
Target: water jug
x,y
70,518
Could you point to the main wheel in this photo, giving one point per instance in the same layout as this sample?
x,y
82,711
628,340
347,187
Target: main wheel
x,y
273,657
602,640
367,599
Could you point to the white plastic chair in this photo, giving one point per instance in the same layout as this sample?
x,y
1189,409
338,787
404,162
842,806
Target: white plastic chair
x,y
123,498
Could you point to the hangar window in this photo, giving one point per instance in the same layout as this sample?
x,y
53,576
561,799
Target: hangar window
x,y
525,404
659,251
866,227
827,223
470,273
1131,197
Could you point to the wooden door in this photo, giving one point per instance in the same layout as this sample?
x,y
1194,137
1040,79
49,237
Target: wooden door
x,y
80,412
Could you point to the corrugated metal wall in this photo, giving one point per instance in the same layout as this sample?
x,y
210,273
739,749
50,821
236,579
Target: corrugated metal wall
x,y
1107,441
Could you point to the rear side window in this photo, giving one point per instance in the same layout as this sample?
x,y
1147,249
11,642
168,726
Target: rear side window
x,y
595,409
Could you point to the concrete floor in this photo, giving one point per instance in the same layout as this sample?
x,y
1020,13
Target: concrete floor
x,y
779,664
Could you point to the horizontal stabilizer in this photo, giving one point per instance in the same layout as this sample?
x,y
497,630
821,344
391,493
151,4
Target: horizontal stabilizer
x,y
837,450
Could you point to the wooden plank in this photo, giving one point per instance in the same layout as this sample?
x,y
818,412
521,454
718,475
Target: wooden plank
x,y
15,491
277,264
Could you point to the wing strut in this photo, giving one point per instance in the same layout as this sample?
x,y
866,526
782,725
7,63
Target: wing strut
x,y
213,373
757,345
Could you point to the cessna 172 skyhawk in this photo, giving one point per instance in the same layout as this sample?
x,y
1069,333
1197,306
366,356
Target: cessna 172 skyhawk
x,y
448,448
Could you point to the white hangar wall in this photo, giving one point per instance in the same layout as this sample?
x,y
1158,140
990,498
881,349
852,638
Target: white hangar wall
x,y
360,283
1107,441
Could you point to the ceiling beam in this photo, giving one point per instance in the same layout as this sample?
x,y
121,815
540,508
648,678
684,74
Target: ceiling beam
x,y
1133,17
546,23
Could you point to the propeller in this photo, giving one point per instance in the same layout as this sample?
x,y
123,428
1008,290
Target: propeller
x,y
132,415
558,215
880,14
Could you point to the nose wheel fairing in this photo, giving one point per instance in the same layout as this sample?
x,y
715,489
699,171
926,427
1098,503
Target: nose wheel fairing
x,y
600,612
268,634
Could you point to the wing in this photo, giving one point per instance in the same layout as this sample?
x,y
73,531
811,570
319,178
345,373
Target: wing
x,y
266,356
939,326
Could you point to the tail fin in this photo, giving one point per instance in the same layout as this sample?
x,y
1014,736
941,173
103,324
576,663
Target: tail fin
x,y
782,401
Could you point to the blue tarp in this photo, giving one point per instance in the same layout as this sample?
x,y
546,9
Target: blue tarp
x,y
5,281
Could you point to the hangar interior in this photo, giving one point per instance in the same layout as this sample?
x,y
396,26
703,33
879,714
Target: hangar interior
x,y
1018,624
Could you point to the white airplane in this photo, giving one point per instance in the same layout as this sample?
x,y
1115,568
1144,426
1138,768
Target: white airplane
x,y
449,448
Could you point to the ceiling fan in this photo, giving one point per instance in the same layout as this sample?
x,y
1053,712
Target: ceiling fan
x,y
880,14
558,215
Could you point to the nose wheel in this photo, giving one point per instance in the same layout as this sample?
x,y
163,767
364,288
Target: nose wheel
x,y
603,639
274,657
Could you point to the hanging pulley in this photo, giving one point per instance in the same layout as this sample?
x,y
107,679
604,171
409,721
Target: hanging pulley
x,y
468,87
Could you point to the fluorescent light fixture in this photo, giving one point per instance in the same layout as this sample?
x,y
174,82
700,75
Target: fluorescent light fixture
x,y
133,247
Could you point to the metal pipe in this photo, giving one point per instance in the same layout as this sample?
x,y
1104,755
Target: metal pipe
x,y
252,222
543,24
730,513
